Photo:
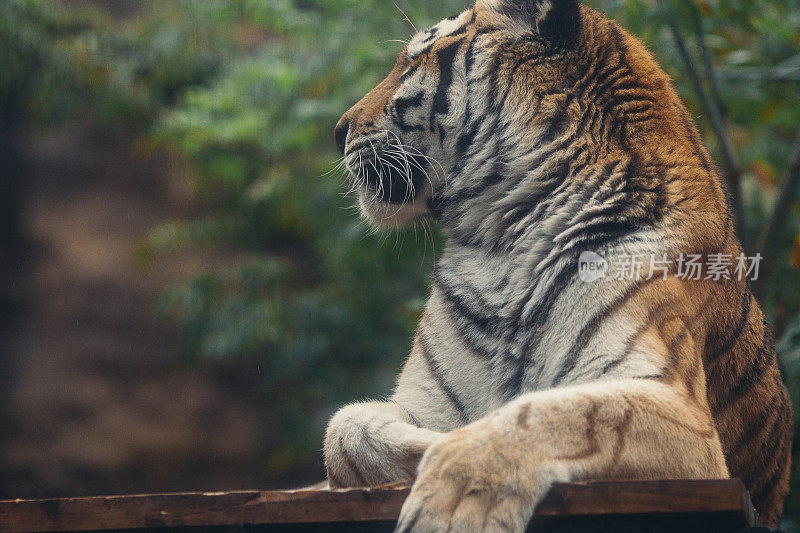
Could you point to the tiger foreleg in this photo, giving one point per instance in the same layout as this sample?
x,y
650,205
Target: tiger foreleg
x,y
374,443
491,474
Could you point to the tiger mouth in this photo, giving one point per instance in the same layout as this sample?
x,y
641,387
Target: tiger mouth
x,y
388,174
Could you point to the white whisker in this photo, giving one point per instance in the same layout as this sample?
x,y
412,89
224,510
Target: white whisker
x,y
406,18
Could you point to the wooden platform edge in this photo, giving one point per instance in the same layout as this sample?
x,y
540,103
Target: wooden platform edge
x,y
727,497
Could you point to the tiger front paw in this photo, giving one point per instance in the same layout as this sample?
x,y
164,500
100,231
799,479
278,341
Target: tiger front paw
x,y
473,480
368,447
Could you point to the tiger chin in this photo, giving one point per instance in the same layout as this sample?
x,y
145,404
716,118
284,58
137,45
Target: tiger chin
x,y
535,131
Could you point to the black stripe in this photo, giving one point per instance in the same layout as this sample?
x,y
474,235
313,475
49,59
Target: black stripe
x,y
684,333
634,85
493,82
566,168
351,464
414,420
466,322
595,236
612,365
606,79
563,278
537,59
644,111
629,100
403,103
492,177
557,126
368,433
410,72
488,323
436,372
779,461
768,485
432,33
744,314
559,123
591,328
401,106
409,127
468,129
459,31
534,326
529,205
555,179
595,69
446,57
756,466
542,311
757,424
467,135
469,56
751,375
411,417
643,207
513,384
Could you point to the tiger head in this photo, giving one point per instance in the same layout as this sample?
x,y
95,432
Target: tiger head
x,y
488,116
407,138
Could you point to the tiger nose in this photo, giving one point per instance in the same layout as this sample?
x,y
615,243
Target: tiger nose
x,y
340,133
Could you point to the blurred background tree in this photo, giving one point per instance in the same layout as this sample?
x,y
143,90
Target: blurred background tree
x,y
246,94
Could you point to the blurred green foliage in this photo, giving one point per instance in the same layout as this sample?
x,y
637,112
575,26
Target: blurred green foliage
x,y
324,301
248,92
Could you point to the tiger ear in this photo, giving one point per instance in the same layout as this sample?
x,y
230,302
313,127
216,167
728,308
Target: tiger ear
x,y
556,22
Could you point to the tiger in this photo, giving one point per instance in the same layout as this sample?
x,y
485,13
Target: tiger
x,y
533,132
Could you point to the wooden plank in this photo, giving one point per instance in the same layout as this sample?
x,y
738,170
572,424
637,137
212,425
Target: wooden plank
x,y
647,497
726,498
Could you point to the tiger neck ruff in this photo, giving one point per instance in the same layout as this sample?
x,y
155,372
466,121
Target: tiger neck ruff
x,y
539,133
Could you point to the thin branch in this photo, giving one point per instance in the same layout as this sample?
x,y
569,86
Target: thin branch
x,y
769,241
761,74
788,70
733,172
708,62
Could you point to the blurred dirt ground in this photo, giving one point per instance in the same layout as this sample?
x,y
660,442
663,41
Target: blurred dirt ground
x,y
95,399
